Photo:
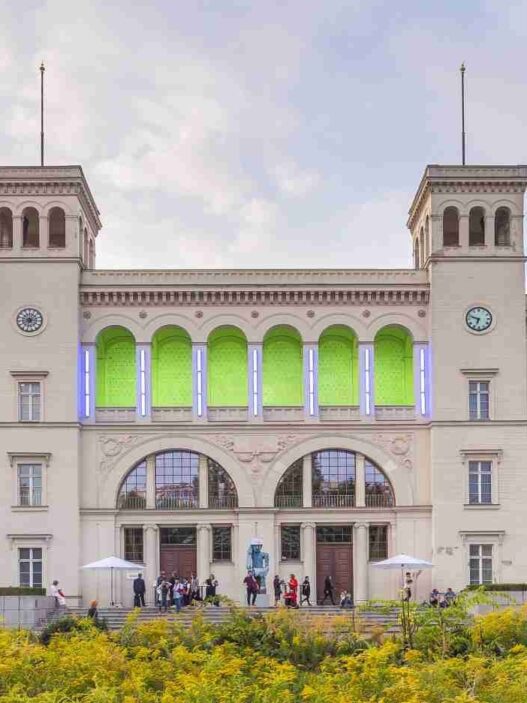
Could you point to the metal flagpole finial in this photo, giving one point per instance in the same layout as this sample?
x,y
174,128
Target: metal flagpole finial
x,y
42,69
462,70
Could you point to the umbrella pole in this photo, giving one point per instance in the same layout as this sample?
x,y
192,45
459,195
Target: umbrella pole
x,y
111,586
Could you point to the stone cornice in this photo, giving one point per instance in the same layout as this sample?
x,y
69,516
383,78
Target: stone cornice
x,y
467,179
270,296
50,180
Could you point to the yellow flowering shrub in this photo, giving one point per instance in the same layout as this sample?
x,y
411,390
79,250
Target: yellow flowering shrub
x,y
280,658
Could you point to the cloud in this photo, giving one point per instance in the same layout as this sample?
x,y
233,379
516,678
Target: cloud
x,y
294,182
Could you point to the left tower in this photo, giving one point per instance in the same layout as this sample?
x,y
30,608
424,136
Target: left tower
x,y
48,227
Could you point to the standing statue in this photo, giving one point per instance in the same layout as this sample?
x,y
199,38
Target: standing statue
x,y
258,562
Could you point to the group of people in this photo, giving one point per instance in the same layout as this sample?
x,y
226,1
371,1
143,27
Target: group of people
x,y
176,592
293,594
441,600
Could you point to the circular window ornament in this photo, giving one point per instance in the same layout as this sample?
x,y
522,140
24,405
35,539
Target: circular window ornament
x,y
478,319
29,320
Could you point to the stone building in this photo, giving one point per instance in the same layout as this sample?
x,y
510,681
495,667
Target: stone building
x,y
341,416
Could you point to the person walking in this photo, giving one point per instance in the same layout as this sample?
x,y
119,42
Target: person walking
x,y
162,591
293,585
177,595
328,590
58,595
252,587
306,591
139,587
277,586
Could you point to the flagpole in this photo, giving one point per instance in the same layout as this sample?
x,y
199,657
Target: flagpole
x,y
462,69
42,69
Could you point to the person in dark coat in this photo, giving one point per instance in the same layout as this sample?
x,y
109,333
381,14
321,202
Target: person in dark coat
x,y
328,590
139,591
277,586
252,587
306,591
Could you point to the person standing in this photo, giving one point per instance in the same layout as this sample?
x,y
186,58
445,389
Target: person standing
x,y
93,613
252,587
328,590
58,595
211,585
306,591
277,586
163,590
139,591
293,586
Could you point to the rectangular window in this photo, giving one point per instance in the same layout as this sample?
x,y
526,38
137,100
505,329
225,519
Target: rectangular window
x,y
184,536
339,534
479,482
221,543
133,544
378,538
29,402
29,484
30,566
479,400
290,538
480,564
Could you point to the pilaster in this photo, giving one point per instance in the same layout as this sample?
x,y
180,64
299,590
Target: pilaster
x,y
309,556
150,482
204,550
360,541
203,481
151,558
360,484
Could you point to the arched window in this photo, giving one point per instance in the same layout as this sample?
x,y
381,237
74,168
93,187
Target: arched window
x,y
177,480
502,227
6,228
476,227
92,254
227,368
171,368
428,248
57,228
289,492
116,375
222,491
417,262
451,227
338,367
394,379
379,493
333,479
422,246
132,494
282,368
30,228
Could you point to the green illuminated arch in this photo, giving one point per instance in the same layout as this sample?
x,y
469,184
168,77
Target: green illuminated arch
x,y
116,377
227,368
338,367
171,368
282,368
394,377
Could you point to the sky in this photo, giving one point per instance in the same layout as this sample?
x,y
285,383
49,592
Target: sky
x,y
263,133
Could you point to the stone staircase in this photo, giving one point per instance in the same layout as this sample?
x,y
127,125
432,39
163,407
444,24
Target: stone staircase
x,y
364,621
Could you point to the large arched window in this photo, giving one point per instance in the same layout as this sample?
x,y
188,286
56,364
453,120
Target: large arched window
x,y
177,480
476,227
57,228
132,494
30,228
338,367
6,228
282,368
222,491
451,227
171,368
289,492
394,378
227,368
333,479
502,227
116,375
378,490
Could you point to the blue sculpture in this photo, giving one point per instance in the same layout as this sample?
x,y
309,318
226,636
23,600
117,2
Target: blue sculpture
x,y
258,562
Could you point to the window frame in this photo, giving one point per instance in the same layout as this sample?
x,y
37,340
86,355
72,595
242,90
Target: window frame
x,y
477,415
214,557
492,456
297,556
31,562
492,538
386,527
17,459
30,467
137,529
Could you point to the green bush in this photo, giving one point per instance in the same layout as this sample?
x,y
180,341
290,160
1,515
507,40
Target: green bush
x,y
21,591
69,623
499,587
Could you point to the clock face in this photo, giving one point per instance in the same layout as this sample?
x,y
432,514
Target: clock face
x,y
29,320
478,319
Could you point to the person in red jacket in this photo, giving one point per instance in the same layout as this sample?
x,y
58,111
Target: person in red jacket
x,y
293,585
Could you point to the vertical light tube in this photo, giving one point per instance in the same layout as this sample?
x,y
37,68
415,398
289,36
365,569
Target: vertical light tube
x,y
422,380
142,383
199,381
87,384
367,381
311,380
255,382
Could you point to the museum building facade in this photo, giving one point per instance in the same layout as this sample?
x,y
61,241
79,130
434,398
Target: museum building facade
x,y
342,416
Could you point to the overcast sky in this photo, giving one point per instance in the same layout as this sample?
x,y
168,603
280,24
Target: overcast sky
x,y
239,133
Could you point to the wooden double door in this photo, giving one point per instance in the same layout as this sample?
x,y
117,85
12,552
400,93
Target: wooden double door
x,y
335,560
177,559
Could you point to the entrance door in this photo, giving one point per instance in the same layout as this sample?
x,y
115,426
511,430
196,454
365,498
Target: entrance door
x,y
178,551
335,559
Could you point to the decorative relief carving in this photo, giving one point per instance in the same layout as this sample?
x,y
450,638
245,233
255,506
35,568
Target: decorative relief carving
x,y
112,446
255,450
400,446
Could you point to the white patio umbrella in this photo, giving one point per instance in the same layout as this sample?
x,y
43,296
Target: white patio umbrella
x,y
404,562
112,564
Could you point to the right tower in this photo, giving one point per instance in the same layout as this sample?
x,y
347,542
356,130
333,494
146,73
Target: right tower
x,y
467,231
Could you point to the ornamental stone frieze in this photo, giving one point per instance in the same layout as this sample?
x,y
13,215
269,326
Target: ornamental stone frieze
x,y
112,446
255,451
